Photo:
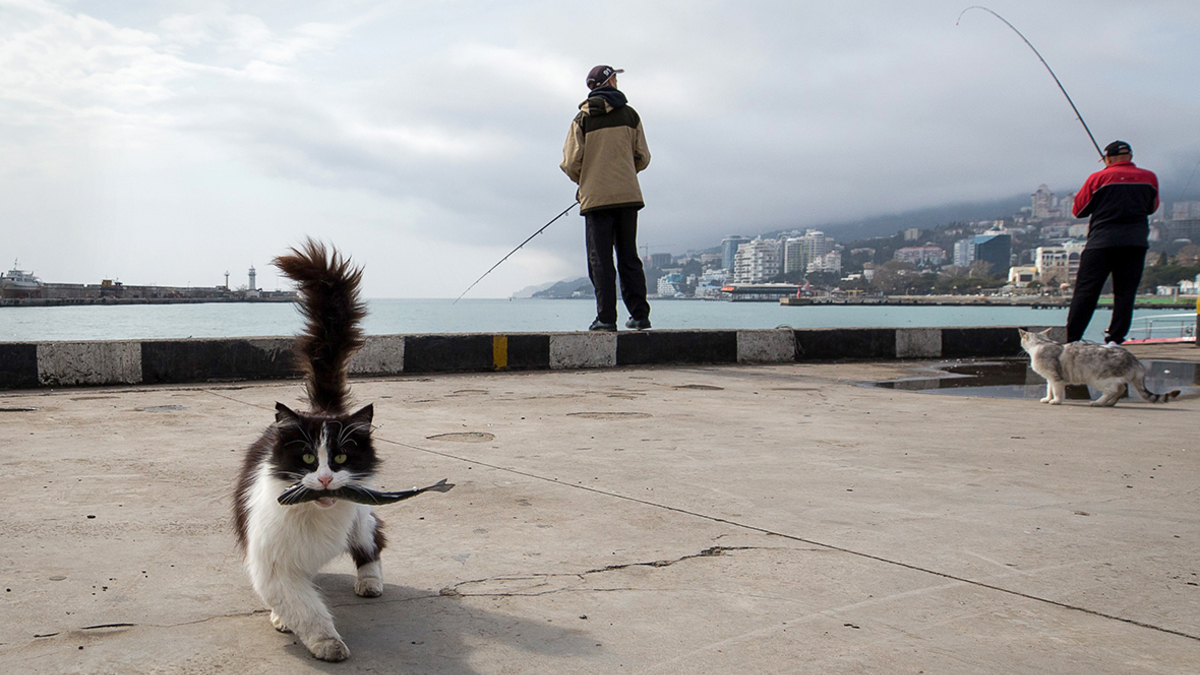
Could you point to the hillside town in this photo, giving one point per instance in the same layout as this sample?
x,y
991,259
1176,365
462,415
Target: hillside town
x,y
1033,252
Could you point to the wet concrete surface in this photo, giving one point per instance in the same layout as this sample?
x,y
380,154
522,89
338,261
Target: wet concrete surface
x,y
1013,378
707,519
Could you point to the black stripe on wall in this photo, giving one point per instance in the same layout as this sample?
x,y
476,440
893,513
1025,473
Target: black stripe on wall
x,y
528,352
449,353
175,361
18,366
843,343
960,343
676,346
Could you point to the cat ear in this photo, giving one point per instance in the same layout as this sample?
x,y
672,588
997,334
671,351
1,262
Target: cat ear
x,y
1045,333
285,415
363,417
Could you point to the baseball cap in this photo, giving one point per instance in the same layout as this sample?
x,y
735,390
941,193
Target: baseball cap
x,y
1117,148
600,74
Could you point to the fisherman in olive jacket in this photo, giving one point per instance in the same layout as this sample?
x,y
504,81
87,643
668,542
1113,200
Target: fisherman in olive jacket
x,y
605,150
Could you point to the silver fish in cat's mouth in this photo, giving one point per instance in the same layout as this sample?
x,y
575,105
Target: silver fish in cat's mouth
x,y
298,494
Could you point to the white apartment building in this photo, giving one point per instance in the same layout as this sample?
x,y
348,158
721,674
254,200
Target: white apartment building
x,y
830,262
964,252
1058,264
1185,210
756,261
816,244
920,255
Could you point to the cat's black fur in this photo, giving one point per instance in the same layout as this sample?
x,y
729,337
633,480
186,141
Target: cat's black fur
x,y
323,448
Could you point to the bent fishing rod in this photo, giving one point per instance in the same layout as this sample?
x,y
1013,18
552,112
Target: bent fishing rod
x,y
1078,116
518,248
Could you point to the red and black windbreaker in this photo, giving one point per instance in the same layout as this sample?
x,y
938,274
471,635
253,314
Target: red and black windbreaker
x,y
1119,199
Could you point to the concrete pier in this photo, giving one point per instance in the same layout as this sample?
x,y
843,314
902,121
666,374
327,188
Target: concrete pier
x,y
695,518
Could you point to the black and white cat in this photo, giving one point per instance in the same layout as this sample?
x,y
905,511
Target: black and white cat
x,y
1107,368
324,448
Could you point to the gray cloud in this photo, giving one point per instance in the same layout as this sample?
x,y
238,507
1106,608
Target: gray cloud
x,y
173,140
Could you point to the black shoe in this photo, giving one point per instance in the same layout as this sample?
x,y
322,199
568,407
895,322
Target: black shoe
x,y
600,325
637,324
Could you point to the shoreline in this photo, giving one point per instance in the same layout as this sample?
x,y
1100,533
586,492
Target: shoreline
x,y
1035,302
74,302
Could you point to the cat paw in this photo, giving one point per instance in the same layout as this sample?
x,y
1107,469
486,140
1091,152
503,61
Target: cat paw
x,y
278,623
1057,401
1044,400
330,649
368,588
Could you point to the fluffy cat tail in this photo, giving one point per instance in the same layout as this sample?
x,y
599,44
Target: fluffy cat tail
x,y
1155,398
1146,394
329,301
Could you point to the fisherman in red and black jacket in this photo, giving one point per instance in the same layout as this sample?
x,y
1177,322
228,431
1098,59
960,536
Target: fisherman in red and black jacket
x,y
1119,198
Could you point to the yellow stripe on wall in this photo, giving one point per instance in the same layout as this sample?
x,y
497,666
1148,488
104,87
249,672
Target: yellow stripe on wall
x,y
500,351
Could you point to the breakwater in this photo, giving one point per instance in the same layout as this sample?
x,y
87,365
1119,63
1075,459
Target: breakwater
x,y
117,362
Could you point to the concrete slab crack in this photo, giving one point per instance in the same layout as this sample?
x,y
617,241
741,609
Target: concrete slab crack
x,y
544,584
804,540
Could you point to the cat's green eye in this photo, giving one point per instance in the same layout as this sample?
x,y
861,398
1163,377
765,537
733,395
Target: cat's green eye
x,y
309,458
340,459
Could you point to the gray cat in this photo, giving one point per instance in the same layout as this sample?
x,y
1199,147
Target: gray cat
x,y
1107,368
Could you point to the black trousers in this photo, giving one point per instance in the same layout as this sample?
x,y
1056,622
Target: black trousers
x,y
1125,264
606,230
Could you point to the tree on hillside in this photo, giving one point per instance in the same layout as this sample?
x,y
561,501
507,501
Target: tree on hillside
x,y
890,277
1188,256
981,269
1166,275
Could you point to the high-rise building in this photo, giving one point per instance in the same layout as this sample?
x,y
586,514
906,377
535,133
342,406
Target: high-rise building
x,y
995,249
756,261
816,244
1185,210
964,252
1043,203
793,255
729,247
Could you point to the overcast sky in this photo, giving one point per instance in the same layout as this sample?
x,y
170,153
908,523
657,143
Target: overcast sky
x,y
169,141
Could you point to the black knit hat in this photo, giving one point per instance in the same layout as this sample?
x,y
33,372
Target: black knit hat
x,y
600,74
1117,148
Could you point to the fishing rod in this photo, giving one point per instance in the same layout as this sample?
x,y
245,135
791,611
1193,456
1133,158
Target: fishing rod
x,y
518,248
1039,55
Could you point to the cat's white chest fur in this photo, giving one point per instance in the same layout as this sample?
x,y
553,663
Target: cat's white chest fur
x,y
304,537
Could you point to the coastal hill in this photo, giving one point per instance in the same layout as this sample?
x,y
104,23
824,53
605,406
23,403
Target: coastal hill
x,y
887,225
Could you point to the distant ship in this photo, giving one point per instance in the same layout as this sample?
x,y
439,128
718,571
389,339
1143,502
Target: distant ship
x,y
17,283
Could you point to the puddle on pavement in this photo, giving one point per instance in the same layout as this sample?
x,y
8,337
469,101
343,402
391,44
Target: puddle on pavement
x,y
1015,379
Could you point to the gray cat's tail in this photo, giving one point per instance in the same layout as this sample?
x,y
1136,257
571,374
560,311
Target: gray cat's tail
x,y
1147,395
329,301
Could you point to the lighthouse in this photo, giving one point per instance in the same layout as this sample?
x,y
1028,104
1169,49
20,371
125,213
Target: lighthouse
x,y
252,289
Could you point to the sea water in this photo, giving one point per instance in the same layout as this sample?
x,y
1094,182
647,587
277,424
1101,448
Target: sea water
x,y
389,317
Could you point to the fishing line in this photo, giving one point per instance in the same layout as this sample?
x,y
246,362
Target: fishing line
x,y
518,248
1051,71
1189,183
